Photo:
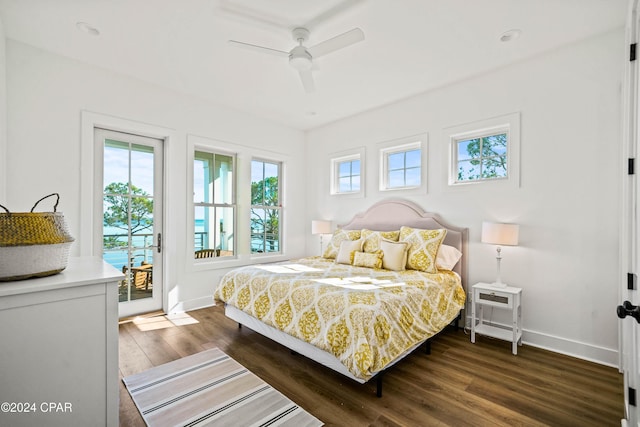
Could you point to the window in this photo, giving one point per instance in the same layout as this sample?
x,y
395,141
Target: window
x,y
482,158
214,204
485,152
266,209
401,165
347,174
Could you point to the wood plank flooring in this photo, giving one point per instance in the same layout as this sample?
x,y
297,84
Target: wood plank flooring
x,y
458,384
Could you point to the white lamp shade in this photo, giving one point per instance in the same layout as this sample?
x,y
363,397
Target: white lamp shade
x,y
320,227
500,234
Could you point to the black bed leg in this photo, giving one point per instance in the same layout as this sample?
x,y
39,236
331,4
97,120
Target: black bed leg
x,y
239,325
379,385
427,346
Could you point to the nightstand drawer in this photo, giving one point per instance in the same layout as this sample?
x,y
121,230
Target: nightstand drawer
x,y
495,298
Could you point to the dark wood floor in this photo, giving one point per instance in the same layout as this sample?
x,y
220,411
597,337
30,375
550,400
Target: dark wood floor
x,y
459,384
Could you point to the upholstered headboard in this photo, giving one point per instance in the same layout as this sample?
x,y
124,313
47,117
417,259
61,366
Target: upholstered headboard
x,y
391,214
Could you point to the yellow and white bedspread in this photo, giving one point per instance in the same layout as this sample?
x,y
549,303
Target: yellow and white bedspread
x,y
364,317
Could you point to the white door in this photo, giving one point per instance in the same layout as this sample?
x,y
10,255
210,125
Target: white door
x,y
628,311
131,205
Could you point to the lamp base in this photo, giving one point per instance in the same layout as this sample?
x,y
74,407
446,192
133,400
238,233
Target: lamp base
x,y
499,285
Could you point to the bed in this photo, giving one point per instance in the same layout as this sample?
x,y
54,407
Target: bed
x,y
347,309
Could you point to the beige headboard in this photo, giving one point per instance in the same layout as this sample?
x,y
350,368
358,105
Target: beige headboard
x,y
391,214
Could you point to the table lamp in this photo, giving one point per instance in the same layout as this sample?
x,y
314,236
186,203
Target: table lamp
x,y
499,234
320,227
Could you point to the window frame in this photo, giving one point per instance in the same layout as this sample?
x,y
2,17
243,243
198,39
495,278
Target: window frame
x,y
279,207
403,145
335,160
233,205
509,124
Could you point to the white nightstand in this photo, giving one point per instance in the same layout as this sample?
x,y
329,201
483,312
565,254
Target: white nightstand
x,y
508,298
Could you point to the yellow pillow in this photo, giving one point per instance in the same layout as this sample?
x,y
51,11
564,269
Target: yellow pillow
x,y
338,237
372,238
424,247
347,248
366,259
395,255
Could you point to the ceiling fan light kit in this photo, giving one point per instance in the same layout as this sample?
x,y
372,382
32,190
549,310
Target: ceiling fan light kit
x,y
301,57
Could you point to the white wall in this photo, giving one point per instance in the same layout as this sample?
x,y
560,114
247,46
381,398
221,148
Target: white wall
x,y
47,94
3,116
568,200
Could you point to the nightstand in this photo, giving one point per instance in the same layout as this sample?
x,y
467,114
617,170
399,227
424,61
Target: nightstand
x,y
507,298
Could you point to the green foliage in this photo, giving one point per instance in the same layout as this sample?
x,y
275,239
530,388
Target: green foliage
x,y
265,222
119,211
488,155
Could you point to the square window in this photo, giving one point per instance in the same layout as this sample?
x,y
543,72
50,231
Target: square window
x,y
401,164
346,174
485,152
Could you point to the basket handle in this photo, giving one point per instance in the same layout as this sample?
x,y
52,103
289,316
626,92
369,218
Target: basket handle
x,y
55,207
5,209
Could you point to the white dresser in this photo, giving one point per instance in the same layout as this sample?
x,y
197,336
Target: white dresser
x,y
59,347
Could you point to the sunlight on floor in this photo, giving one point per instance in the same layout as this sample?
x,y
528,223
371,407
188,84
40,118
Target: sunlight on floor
x,y
163,322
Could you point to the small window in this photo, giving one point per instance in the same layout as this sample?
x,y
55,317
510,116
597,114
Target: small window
x,y
214,206
266,208
485,152
482,158
401,166
347,174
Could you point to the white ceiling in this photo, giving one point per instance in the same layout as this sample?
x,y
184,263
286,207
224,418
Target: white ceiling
x,y
410,46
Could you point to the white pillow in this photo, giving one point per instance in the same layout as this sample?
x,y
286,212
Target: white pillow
x,y
448,257
347,248
395,255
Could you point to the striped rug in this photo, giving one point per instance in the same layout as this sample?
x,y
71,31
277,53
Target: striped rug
x,y
210,388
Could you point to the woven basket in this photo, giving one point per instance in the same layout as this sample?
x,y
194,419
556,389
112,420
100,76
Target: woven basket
x,y
33,244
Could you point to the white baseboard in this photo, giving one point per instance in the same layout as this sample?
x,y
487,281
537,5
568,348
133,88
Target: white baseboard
x,y
577,349
580,350
193,304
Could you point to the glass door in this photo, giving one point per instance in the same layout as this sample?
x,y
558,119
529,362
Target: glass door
x,y
131,231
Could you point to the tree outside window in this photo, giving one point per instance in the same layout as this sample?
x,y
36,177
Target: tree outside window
x,y
265,207
482,158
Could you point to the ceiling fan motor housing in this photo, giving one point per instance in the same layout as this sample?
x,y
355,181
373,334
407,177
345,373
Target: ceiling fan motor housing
x,y
299,58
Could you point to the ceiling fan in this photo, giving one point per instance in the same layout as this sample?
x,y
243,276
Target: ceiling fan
x,y
301,57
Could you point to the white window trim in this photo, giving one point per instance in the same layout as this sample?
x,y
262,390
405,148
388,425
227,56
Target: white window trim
x,y
400,145
335,159
509,124
198,143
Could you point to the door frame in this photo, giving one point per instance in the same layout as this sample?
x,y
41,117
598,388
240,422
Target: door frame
x,y
89,177
628,329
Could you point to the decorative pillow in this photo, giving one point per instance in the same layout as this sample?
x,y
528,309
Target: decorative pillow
x,y
395,255
338,237
448,257
368,259
372,238
347,248
424,247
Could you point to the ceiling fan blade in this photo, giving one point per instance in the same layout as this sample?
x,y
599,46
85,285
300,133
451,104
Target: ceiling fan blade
x,y
307,81
332,12
259,48
338,42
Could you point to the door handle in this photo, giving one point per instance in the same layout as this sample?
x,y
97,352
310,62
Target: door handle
x,y
628,309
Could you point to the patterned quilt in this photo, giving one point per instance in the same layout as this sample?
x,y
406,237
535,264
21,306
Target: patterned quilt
x,y
364,317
